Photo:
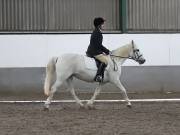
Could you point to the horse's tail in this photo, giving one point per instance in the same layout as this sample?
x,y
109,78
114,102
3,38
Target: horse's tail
x,y
50,75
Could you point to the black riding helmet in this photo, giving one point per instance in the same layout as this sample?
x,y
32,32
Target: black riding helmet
x,y
98,21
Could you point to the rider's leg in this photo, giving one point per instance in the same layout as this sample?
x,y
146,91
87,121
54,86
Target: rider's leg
x,y
100,72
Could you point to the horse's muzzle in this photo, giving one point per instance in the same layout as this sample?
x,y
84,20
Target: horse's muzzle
x,y
142,61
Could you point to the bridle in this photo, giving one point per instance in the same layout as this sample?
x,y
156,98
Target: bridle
x,y
134,57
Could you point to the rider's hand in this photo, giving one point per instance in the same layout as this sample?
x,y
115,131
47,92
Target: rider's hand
x,y
110,52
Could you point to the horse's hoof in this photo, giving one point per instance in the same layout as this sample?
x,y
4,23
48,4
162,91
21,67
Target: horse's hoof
x,y
46,109
129,106
90,107
81,107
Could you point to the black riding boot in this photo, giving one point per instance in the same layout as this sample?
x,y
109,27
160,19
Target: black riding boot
x,y
100,73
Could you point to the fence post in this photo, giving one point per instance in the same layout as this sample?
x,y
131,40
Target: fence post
x,y
123,17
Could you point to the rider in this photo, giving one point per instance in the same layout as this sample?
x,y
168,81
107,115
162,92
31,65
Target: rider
x,y
97,50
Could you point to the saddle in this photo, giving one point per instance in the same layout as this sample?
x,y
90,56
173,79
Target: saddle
x,y
91,63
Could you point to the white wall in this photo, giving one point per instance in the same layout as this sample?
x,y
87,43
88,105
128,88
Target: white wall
x,y
35,50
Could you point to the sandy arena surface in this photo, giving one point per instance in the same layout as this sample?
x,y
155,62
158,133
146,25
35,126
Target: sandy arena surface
x,y
39,95
107,119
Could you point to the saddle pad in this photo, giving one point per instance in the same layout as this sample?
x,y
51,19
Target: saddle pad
x,y
91,64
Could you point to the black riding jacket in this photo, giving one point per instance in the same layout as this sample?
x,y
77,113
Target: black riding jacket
x,y
96,47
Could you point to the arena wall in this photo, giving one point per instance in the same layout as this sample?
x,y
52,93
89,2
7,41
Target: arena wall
x,y
24,57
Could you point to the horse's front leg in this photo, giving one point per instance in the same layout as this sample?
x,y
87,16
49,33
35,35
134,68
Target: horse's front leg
x,y
121,87
91,101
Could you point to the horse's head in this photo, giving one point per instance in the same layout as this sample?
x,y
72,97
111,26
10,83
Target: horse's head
x,y
136,54
129,51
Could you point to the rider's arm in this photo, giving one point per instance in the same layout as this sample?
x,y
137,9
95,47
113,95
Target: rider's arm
x,y
105,50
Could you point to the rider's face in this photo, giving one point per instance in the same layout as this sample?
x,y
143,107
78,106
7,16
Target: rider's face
x,y
102,27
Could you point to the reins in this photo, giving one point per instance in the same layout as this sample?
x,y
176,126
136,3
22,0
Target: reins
x,y
115,64
129,57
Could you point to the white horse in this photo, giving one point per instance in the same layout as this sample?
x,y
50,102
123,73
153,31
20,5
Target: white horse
x,y
66,67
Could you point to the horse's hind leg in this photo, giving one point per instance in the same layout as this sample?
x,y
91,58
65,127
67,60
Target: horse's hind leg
x,y
71,88
51,94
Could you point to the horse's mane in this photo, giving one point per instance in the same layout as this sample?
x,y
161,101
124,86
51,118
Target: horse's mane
x,y
123,51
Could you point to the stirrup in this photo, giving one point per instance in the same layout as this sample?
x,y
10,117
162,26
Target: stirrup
x,y
98,78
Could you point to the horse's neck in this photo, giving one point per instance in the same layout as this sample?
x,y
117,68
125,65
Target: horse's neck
x,y
123,51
